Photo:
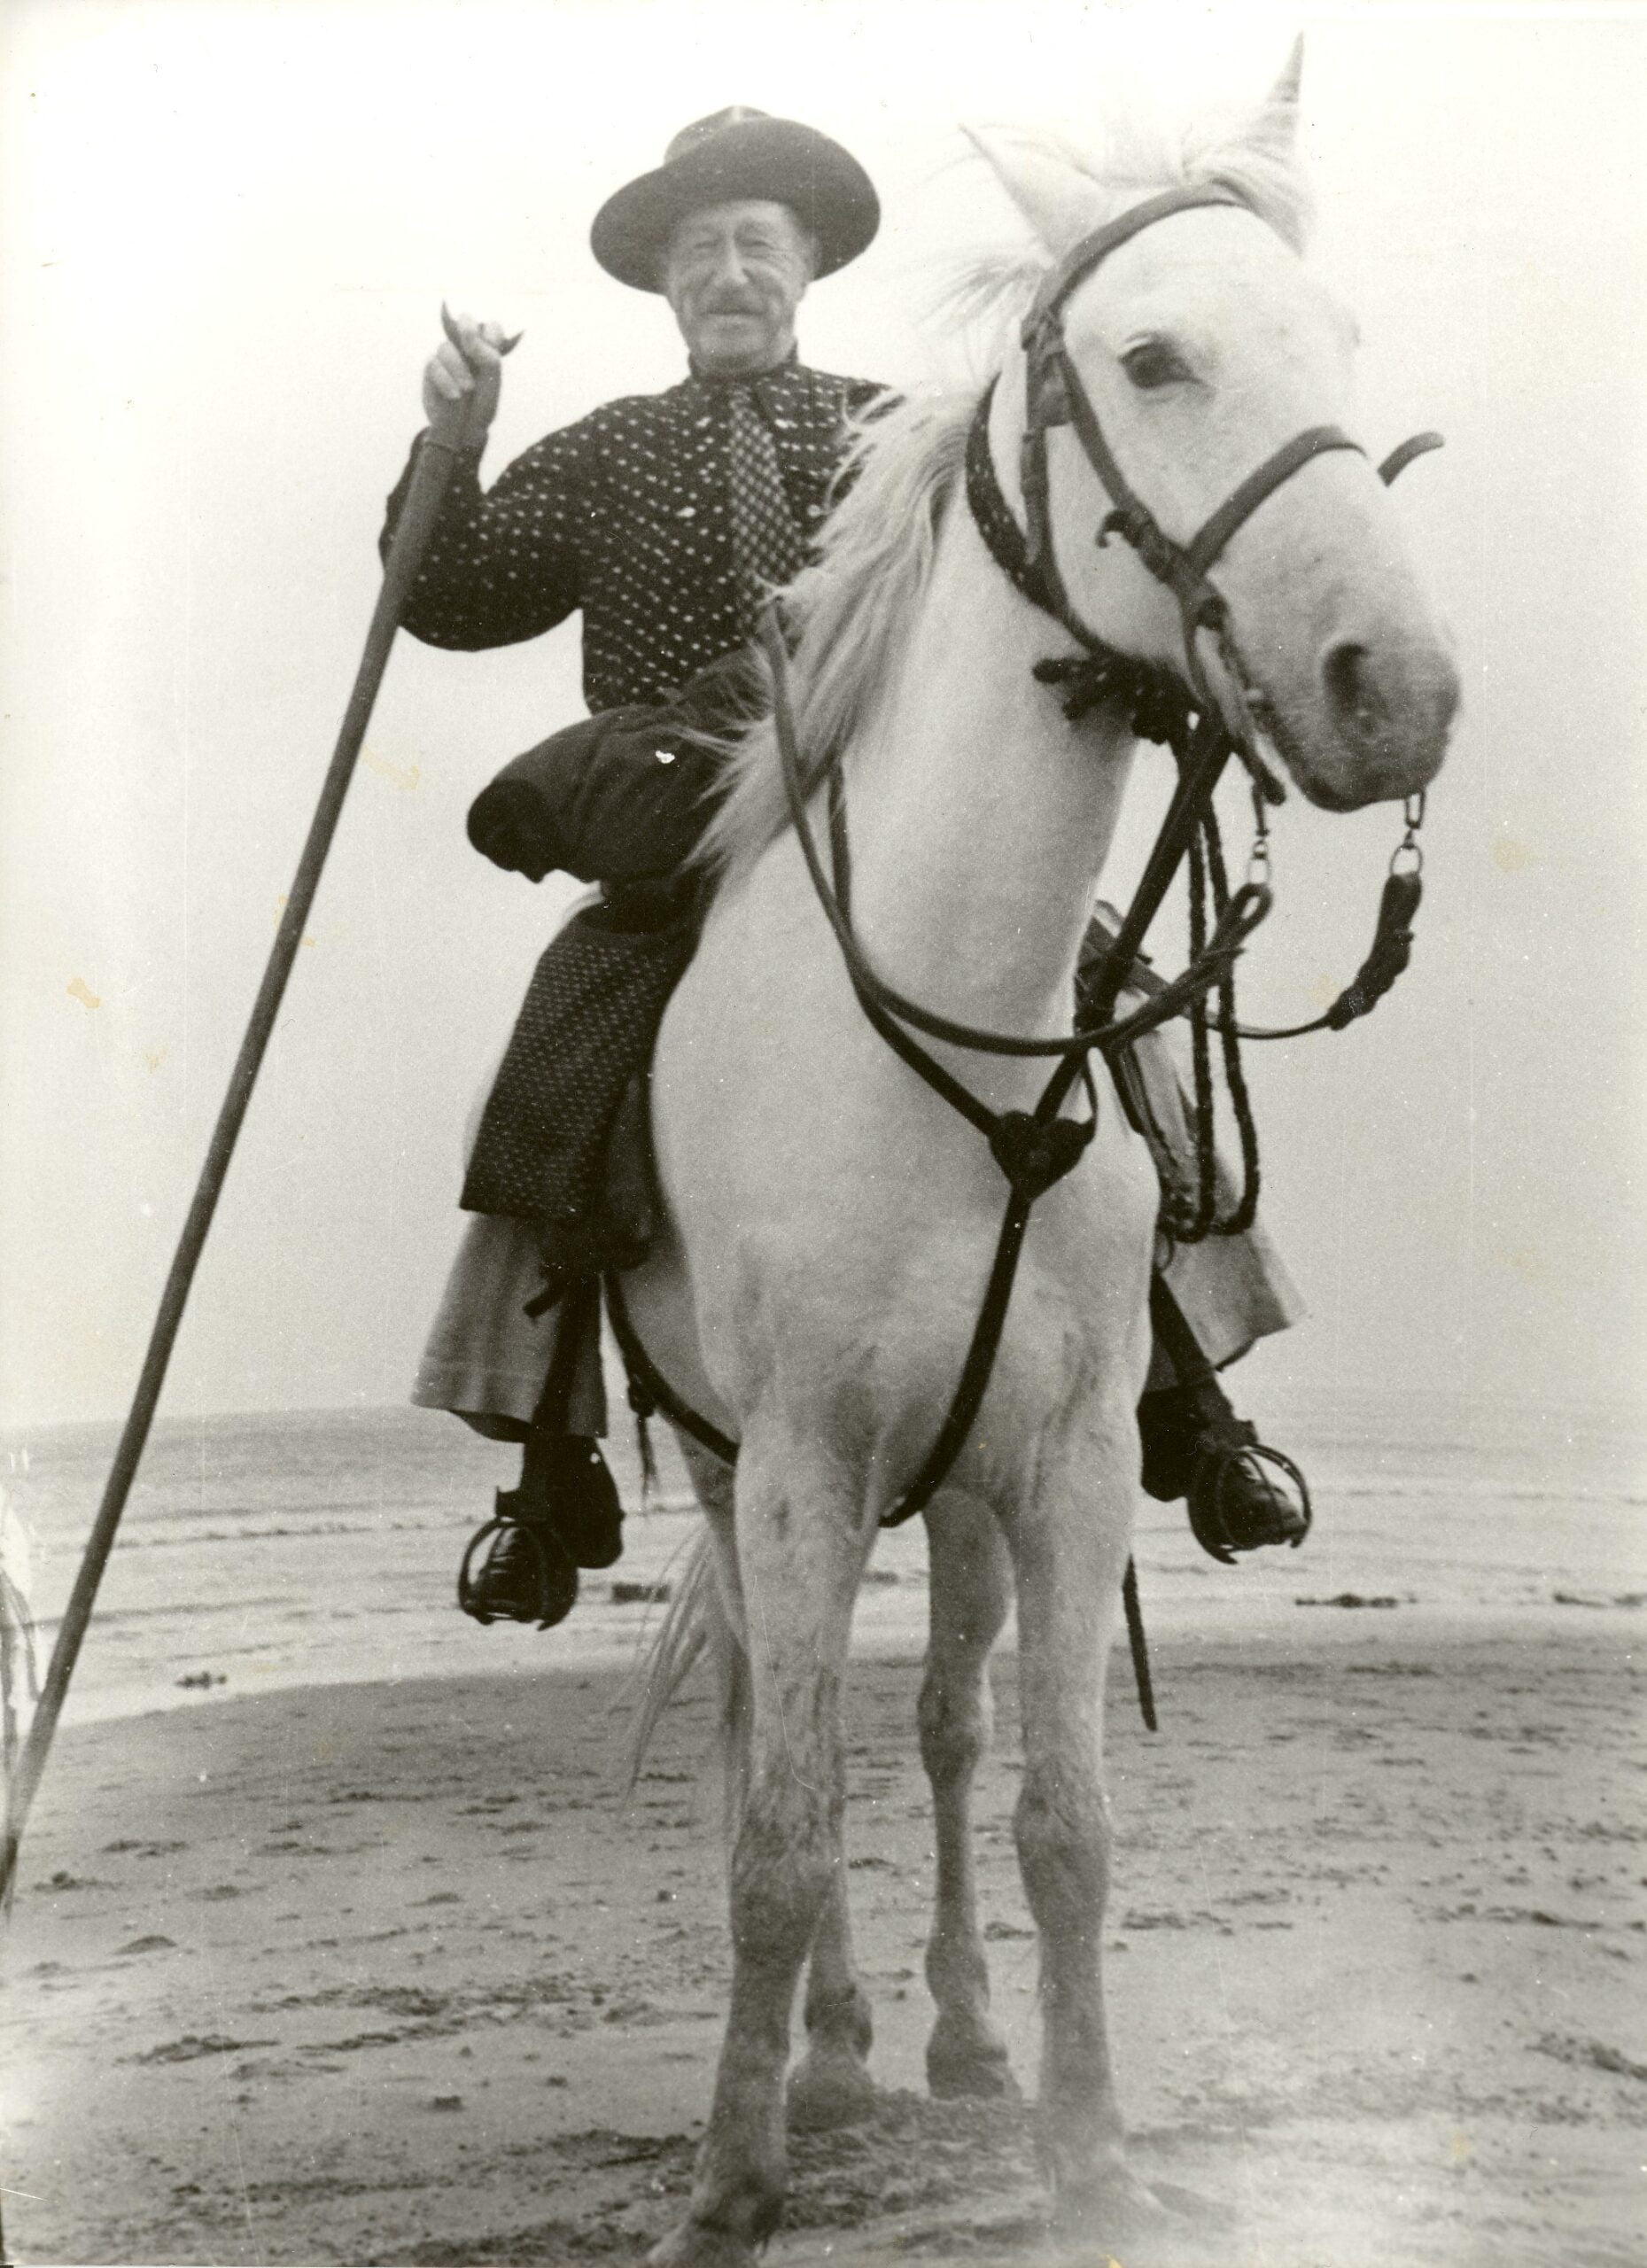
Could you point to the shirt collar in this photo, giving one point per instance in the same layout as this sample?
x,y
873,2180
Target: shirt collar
x,y
716,382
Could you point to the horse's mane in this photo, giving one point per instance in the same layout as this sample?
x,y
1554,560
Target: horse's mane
x,y
849,612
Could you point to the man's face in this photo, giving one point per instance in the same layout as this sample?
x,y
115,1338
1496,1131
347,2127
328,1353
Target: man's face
x,y
734,275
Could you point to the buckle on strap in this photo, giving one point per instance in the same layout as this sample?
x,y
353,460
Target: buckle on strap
x,y
1136,525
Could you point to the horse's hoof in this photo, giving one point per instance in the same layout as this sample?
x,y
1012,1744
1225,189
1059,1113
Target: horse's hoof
x,y
984,2076
968,2060
692,2246
1117,2209
838,2093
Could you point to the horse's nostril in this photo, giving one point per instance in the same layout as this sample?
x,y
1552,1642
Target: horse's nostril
x,y
1387,703
1352,688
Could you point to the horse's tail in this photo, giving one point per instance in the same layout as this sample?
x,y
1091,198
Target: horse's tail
x,y
698,1624
694,1625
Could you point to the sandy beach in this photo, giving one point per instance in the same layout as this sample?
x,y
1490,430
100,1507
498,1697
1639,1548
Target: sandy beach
x,y
393,1972
338,1940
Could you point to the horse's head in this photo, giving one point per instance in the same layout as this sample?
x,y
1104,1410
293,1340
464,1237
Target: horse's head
x,y
1203,346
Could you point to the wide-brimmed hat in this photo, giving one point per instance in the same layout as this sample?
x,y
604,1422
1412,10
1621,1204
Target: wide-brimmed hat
x,y
738,153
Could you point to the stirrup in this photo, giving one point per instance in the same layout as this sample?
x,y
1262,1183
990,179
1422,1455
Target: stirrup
x,y
1243,1495
542,1584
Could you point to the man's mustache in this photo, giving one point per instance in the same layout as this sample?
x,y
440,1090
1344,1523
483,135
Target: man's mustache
x,y
732,306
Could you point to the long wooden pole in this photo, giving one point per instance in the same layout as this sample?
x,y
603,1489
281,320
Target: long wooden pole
x,y
405,554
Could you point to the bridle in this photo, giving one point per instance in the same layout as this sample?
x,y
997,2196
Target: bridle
x,y
1035,1148
1202,738
1055,394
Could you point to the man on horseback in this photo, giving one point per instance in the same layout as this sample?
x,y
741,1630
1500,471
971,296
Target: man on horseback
x,y
666,519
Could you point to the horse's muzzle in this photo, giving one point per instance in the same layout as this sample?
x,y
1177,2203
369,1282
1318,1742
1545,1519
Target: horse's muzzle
x,y
1389,711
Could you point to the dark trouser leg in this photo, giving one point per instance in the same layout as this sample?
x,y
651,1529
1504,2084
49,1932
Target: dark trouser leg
x,y
522,1567
563,1480
1239,1493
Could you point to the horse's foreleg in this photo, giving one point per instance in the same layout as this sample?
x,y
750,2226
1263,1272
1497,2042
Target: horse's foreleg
x,y
831,2086
1070,1543
970,1590
801,1551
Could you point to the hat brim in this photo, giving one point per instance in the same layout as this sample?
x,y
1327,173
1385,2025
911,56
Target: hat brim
x,y
771,159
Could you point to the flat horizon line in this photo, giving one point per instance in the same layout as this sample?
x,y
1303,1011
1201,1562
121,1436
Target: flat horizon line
x,y
1289,1409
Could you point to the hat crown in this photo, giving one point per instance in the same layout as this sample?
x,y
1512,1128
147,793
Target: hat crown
x,y
703,131
736,154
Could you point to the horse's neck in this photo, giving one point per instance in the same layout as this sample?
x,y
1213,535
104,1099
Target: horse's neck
x,y
979,817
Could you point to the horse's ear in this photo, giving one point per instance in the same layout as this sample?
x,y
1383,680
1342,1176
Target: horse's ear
x,y
1060,202
1274,128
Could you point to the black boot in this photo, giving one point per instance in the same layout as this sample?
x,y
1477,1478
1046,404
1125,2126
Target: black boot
x,y
564,1515
528,1574
1239,1493
565,1482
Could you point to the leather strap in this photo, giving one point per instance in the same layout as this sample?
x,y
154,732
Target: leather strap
x,y
1078,263
1208,544
650,1389
1417,444
1153,694
1246,909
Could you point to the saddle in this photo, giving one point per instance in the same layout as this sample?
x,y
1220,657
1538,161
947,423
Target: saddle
x,y
621,798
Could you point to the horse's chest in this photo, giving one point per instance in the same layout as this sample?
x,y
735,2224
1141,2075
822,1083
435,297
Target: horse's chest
x,y
843,1219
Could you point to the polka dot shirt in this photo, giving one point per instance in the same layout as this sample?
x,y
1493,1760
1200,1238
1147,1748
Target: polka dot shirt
x,y
625,514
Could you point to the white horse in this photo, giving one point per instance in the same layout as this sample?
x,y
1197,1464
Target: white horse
x,y
832,1220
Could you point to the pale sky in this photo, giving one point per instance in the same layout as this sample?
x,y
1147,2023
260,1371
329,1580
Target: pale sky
x,y
226,229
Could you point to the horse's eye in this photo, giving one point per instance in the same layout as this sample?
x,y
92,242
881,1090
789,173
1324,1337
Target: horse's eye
x,y
1152,363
